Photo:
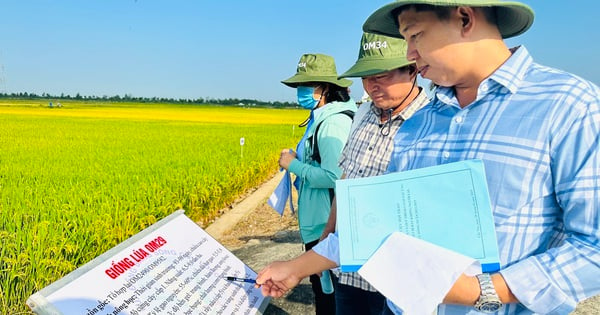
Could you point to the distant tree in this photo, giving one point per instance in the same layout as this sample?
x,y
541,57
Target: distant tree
x,y
154,99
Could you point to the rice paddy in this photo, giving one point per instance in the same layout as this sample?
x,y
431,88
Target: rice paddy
x,y
77,180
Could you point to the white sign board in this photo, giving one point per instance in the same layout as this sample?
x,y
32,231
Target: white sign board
x,y
172,267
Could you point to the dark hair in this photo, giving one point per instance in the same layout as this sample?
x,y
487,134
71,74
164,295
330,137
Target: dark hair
x,y
443,12
336,93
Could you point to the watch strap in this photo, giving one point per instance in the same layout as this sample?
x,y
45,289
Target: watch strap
x,y
488,301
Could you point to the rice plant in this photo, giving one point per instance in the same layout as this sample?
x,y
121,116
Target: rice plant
x,y
78,180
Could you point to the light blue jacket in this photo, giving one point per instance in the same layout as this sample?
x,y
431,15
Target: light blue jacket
x,y
316,179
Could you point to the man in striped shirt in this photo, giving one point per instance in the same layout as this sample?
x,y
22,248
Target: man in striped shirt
x,y
390,81
537,130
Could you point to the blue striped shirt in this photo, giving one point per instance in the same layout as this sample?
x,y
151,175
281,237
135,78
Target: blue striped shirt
x,y
537,129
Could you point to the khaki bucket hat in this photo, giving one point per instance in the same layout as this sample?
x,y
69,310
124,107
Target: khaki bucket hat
x,y
513,18
316,68
378,54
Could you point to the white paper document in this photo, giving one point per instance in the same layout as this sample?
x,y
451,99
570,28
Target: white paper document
x,y
415,275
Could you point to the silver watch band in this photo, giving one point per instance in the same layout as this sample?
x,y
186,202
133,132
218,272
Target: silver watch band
x,y
486,285
488,301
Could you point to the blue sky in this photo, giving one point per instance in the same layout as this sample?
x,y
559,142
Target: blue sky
x,y
225,48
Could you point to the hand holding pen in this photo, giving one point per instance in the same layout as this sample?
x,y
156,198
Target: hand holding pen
x,y
236,279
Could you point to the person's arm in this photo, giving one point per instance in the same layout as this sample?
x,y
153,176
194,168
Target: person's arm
x,y
333,134
466,291
281,276
566,271
554,280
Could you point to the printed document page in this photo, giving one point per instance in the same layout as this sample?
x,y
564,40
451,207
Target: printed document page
x,y
171,267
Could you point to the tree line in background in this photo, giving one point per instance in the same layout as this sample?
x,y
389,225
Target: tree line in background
x,y
129,98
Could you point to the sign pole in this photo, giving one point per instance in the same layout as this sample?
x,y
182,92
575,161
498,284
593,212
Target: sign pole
x,y
242,140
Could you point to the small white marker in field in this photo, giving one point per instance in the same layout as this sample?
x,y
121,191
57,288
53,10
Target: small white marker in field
x,y
242,141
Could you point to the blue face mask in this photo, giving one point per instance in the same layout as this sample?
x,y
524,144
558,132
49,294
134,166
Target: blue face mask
x,y
305,97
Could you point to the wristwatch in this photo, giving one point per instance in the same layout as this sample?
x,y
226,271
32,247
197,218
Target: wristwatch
x,y
488,301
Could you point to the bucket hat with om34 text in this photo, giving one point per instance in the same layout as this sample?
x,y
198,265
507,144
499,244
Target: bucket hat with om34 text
x,y
316,68
378,54
513,18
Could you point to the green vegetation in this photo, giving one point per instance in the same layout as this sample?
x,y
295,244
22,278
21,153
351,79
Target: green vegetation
x,y
77,180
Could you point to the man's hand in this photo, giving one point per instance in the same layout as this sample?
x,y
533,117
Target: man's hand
x,y
286,158
281,276
277,279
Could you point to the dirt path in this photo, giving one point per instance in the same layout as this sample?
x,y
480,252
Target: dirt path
x,y
263,237
250,219
258,235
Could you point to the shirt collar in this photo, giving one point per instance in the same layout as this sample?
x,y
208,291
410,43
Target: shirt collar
x,y
317,111
513,70
419,101
509,75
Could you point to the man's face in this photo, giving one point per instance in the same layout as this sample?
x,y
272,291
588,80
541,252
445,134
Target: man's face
x,y
389,88
434,45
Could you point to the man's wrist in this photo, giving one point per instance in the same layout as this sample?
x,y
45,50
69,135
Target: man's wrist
x,y
310,263
465,291
294,166
488,301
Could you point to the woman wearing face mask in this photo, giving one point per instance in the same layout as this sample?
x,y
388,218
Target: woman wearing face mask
x,y
315,162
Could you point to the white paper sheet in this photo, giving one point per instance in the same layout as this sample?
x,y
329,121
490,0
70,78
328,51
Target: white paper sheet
x,y
414,274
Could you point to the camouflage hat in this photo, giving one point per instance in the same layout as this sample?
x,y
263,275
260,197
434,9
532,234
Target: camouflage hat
x,y
378,54
513,18
316,68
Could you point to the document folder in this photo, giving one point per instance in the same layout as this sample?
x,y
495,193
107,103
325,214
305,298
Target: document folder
x,y
447,205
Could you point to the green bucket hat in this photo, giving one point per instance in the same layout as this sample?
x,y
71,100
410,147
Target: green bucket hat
x,y
377,54
513,18
316,68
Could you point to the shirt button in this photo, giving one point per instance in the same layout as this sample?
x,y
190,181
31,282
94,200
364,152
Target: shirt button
x,y
370,148
484,88
458,119
446,154
360,171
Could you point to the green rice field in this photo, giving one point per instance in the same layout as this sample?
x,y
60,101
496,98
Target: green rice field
x,y
77,180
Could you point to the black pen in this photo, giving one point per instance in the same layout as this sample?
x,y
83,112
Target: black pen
x,y
240,279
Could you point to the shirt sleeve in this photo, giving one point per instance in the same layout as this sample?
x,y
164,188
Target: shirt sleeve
x,y
332,137
329,248
553,281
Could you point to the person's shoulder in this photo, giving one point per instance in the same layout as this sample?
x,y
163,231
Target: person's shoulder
x,y
340,117
334,108
559,88
350,104
343,116
559,80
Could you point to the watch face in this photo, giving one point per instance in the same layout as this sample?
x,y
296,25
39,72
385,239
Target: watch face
x,y
490,306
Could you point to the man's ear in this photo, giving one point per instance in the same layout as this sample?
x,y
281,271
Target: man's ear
x,y
466,16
